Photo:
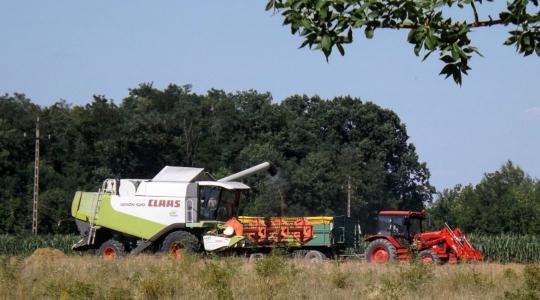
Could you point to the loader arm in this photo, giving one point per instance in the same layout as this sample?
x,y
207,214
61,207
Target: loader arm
x,y
461,245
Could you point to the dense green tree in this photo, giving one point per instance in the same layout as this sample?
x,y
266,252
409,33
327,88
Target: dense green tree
x,y
317,145
505,201
432,25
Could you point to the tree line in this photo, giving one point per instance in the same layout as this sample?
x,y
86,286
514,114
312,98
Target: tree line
x,y
505,201
318,145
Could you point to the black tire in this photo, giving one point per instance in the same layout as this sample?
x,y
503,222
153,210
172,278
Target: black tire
x,y
429,257
315,256
180,242
377,245
112,249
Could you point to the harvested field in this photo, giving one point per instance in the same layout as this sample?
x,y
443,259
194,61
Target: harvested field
x,y
157,277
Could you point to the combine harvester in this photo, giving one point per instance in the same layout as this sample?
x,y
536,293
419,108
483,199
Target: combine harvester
x,y
185,210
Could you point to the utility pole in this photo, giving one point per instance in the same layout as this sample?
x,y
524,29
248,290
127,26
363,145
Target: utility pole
x,y
36,183
349,196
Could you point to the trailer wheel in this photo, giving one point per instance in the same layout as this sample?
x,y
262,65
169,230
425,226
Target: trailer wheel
x,y
381,251
179,243
253,257
111,249
315,256
429,257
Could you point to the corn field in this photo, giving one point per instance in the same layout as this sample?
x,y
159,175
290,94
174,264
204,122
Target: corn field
x,y
496,248
508,248
25,245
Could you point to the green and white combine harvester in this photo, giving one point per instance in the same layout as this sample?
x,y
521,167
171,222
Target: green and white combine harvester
x,y
185,210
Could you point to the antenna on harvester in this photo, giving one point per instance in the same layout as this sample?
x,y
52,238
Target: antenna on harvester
x,y
36,183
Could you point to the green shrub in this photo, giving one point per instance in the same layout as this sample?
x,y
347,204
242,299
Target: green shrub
x,y
531,273
216,279
270,265
71,290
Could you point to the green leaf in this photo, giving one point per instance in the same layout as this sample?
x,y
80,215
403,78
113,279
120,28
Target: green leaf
x,y
340,49
269,5
447,59
411,37
430,42
320,4
349,36
417,48
456,74
326,42
304,43
447,70
369,32
427,55
323,13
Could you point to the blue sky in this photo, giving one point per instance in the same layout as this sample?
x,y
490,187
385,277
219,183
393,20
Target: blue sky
x,y
70,50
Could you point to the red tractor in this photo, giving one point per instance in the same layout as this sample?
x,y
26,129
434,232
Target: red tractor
x,y
400,238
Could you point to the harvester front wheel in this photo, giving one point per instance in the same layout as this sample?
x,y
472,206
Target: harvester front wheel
x,y
111,249
429,257
179,243
381,251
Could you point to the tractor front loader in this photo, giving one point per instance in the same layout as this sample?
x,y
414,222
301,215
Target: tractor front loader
x,y
400,238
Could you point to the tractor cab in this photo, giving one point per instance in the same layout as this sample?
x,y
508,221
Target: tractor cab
x,y
403,225
400,237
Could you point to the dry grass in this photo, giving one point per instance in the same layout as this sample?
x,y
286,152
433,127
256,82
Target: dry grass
x,y
155,277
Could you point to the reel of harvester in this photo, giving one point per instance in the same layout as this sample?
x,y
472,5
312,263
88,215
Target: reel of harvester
x,y
294,231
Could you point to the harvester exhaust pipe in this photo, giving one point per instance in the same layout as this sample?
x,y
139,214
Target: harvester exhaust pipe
x,y
265,166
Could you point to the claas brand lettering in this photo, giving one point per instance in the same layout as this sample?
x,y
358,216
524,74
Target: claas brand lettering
x,y
163,203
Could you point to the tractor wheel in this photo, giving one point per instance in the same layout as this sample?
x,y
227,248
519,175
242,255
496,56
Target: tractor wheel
x,y
111,249
180,243
429,257
381,251
315,256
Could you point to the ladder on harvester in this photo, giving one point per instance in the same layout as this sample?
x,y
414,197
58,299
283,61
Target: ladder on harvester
x,y
95,211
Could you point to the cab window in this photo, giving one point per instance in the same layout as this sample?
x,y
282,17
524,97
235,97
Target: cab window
x,y
209,200
228,206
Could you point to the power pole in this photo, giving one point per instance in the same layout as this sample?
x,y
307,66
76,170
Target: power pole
x,y
36,183
348,196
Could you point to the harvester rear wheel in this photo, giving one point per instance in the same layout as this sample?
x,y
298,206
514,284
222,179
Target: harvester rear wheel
x,y
180,243
111,249
315,256
429,257
381,251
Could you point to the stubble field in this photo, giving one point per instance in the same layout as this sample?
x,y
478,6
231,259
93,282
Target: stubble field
x,y
52,275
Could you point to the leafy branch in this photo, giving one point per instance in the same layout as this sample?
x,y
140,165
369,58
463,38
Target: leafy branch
x,y
329,24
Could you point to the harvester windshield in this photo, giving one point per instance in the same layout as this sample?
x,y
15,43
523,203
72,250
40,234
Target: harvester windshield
x,y
219,203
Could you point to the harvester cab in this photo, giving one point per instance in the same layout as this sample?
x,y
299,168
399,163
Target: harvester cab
x,y
400,237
